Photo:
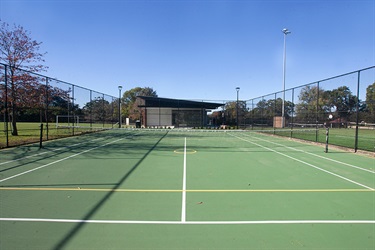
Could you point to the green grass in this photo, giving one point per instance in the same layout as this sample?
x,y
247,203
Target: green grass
x,y
29,132
344,137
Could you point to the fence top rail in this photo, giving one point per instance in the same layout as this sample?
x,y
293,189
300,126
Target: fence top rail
x,y
55,79
251,99
307,84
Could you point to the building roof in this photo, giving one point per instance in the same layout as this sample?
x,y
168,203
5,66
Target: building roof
x,y
157,102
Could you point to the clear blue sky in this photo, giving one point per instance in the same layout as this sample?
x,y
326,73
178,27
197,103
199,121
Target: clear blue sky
x,y
197,49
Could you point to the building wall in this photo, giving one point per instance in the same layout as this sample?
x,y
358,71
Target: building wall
x,y
159,117
182,117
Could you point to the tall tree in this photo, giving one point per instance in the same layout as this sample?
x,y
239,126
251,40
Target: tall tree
x,y
265,111
18,49
98,110
343,101
130,108
370,99
312,102
231,112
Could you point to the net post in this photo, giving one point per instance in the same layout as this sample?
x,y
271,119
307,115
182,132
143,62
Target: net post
x,y
41,136
327,137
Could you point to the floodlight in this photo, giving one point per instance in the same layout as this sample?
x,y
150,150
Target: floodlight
x,y
286,31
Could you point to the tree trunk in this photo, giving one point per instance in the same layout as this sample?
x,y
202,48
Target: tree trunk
x,y
14,120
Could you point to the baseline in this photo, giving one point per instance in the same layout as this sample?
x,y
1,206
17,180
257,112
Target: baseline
x,y
190,222
185,190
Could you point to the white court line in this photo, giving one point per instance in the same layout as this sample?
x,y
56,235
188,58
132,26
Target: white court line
x,y
326,158
308,164
52,150
46,165
255,222
183,207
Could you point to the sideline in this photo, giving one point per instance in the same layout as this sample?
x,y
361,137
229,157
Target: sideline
x,y
303,162
323,157
183,207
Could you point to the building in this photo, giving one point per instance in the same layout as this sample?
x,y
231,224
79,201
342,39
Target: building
x,y
166,112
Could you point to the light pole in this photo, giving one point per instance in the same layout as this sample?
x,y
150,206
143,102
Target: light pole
x,y
119,107
286,32
238,90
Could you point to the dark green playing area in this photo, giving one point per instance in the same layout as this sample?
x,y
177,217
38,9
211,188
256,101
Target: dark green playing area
x,y
181,189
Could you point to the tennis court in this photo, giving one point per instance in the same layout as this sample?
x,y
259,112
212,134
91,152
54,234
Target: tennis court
x,y
181,189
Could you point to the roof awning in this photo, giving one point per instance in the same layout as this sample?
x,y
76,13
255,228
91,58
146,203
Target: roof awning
x,y
157,102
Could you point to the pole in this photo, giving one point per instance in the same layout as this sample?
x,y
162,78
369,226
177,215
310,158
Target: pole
x,y
238,89
47,104
73,108
317,114
286,32
327,136
90,109
6,107
119,107
283,105
357,115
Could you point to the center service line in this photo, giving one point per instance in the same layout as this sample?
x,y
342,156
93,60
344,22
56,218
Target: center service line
x,y
183,209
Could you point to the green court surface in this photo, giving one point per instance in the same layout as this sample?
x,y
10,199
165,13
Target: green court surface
x,y
181,189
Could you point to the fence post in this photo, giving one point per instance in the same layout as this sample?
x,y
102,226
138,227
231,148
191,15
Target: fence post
x,y
317,113
357,115
73,113
103,111
274,114
47,104
6,106
292,118
91,109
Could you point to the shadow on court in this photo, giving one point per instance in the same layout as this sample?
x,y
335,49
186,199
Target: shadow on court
x,y
70,235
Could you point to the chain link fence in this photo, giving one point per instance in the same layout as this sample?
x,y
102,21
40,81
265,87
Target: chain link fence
x,y
345,104
35,106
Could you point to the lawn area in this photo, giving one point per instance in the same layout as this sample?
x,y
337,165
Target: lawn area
x,y
344,137
29,132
